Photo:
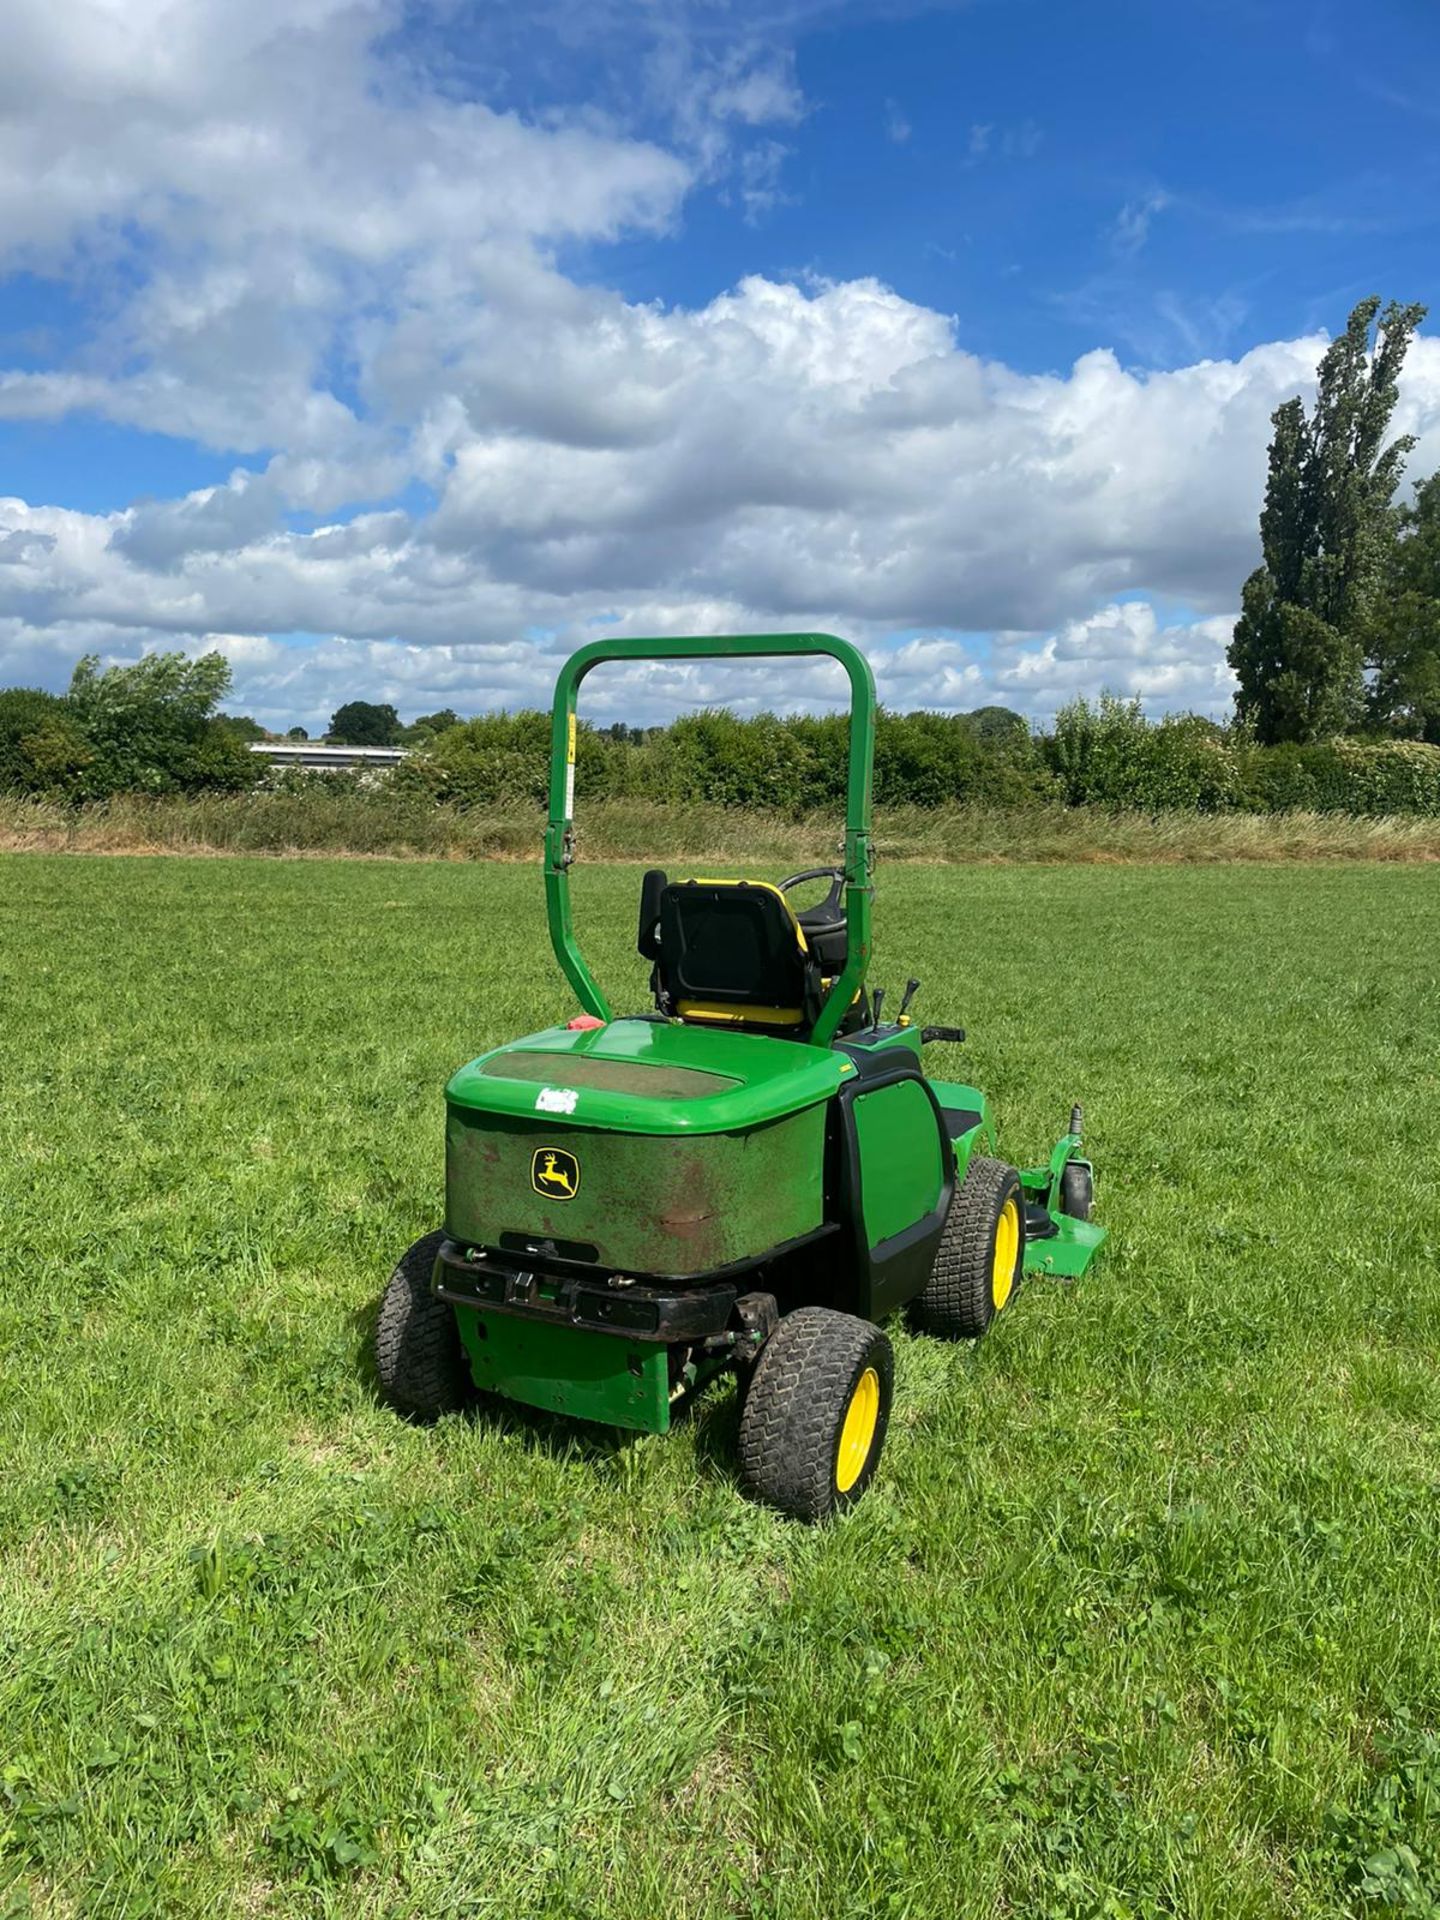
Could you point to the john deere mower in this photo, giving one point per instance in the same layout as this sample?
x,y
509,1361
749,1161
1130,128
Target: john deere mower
x,y
752,1176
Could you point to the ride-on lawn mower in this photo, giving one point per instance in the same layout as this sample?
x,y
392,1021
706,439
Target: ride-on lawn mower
x,y
753,1176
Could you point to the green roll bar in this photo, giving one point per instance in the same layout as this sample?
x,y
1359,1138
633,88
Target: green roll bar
x,y
560,833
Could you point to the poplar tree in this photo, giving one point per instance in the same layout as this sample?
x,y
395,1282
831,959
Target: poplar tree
x,y
1404,645
1326,527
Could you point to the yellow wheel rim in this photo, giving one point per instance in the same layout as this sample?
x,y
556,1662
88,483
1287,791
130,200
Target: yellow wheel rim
x,y
1007,1246
858,1433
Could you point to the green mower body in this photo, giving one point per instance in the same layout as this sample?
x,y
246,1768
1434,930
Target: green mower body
x,y
750,1177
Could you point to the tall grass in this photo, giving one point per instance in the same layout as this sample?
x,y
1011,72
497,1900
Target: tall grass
x,y
356,821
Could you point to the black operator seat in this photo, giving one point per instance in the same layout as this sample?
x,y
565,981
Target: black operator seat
x,y
728,953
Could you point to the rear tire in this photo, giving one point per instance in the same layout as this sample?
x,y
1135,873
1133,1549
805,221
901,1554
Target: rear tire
x,y
419,1355
1077,1190
981,1256
814,1419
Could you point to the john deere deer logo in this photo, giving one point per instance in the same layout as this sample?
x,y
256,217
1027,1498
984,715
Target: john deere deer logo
x,y
555,1173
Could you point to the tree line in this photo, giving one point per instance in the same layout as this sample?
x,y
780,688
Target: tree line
x,y
155,727
1101,753
1336,655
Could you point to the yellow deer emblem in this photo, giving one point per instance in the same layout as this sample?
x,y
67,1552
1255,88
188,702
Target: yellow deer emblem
x,y
555,1173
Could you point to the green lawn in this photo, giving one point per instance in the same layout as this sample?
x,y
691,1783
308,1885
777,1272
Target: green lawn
x,y
1139,1618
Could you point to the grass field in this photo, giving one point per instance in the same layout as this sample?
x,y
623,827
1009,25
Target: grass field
x,y
1139,1619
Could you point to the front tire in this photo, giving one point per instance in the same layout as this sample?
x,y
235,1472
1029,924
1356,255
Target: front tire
x,y
1077,1190
418,1351
814,1420
981,1256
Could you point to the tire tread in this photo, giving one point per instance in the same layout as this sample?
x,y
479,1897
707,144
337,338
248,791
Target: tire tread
x,y
419,1355
796,1402
1077,1191
956,1302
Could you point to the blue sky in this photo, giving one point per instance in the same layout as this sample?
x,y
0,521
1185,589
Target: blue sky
x,y
1174,180
369,343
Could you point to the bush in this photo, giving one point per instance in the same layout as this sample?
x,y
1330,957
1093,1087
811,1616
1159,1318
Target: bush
x,y
1343,776
152,727
501,758
823,740
1394,776
924,759
243,726
1109,755
800,763
43,750
998,724
714,756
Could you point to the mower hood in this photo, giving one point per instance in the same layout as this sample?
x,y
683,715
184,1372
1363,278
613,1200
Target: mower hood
x,y
649,1076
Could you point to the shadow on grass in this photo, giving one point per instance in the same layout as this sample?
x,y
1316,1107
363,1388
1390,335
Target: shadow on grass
x,y
363,1324
712,1415
714,1418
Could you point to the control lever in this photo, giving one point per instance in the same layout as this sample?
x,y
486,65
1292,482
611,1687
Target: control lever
x,y
912,987
876,998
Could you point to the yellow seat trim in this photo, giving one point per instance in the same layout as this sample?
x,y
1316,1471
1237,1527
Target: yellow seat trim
x,y
736,1016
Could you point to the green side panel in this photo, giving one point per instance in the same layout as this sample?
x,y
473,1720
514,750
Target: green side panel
x,y
650,1076
901,1171
1071,1250
641,1203
589,1376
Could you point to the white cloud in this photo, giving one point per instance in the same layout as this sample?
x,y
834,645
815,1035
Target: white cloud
x,y
277,191
710,99
757,91
347,280
1123,648
1132,224
279,123
781,457
1022,141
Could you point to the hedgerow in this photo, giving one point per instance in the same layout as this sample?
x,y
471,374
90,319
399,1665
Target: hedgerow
x,y
152,728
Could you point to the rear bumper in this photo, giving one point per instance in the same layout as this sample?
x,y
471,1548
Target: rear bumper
x,y
631,1310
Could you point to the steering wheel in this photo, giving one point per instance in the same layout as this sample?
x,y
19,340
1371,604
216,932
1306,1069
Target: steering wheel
x,y
830,905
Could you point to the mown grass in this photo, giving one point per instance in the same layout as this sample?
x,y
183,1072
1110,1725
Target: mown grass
x,y
1139,1618
342,817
